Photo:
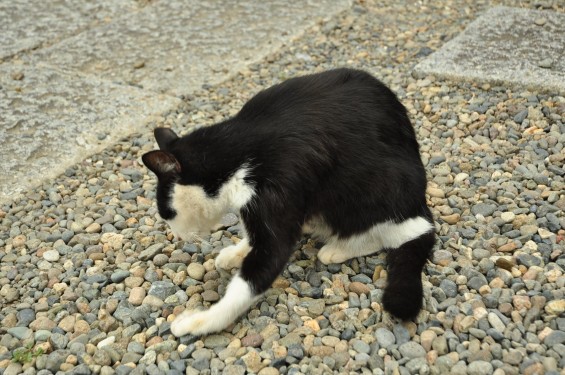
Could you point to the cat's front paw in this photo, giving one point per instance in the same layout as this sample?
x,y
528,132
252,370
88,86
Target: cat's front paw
x,y
330,255
191,322
232,256
229,258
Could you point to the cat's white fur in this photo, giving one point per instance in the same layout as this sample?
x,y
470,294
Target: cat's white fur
x,y
197,212
238,298
381,236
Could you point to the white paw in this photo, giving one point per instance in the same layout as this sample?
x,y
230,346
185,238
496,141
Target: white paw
x,y
191,322
230,257
238,298
329,255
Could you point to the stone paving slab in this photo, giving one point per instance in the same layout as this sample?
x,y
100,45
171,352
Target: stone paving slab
x,y
27,24
176,46
510,46
50,120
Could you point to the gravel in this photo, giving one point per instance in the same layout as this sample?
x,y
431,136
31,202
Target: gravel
x,y
90,274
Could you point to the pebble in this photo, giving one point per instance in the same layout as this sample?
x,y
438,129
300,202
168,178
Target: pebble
x,y
480,368
412,349
384,337
555,307
359,288
136,296
483,209
150,252
252,340
546,63
216,341
162,289
196,271
51,255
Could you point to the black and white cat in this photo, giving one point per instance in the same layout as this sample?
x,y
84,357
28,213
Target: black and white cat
x,y
333,154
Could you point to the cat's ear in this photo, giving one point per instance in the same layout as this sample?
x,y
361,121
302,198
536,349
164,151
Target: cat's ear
x,y
164,137
161,162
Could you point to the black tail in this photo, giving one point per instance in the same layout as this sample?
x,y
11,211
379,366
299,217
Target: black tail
x,y
403,293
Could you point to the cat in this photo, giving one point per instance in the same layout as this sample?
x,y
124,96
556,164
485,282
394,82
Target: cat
x,y
333,154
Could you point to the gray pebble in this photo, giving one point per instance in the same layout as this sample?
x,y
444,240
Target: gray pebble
x,y
150,252
58,341
554,338
384,337
484,209
20,333
119,276
162,289
448,287
361,347
412,349
480,368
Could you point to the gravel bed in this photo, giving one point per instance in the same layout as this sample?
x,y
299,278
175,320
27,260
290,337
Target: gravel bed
x,y
90,274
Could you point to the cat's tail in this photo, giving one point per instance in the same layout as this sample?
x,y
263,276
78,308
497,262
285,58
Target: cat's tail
x,y
403,293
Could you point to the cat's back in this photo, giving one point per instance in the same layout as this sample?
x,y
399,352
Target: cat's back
x,y
316,93
339,109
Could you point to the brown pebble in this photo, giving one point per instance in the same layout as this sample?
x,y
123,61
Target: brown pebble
x,y
505,263
359,288
72,359
136,295
17,76
210,296
108,324
505,308
540,21
19,241
139,64
154,340
253,340
313,325
451,219
536,368
509,247
67,324
81,326
321,351
377,273
66,367
96,256
281,283
83,307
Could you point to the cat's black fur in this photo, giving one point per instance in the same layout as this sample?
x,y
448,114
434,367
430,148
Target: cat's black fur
x,y
337,145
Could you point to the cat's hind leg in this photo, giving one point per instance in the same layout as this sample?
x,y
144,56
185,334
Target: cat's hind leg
x,y
404,292
338,250
232,256
383,235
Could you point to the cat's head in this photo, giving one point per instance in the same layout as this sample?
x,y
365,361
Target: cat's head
x,y
185,206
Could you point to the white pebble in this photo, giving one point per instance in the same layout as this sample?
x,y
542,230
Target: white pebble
x,y
51,255
508,217
107,341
